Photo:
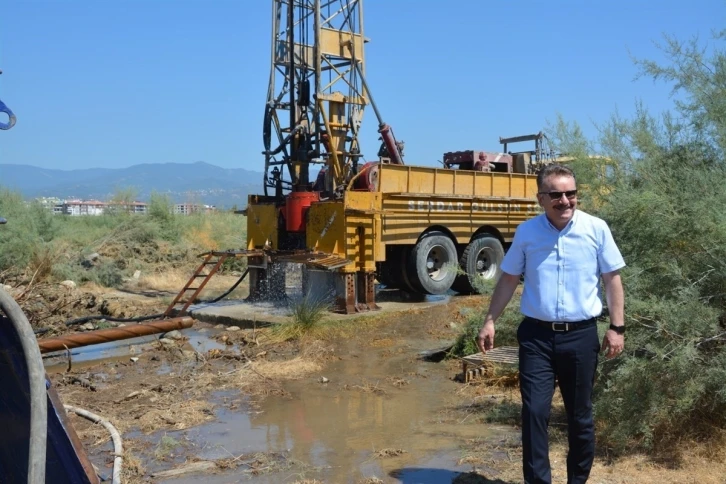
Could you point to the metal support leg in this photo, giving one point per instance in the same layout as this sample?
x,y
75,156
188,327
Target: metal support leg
x,y
367,290
346,300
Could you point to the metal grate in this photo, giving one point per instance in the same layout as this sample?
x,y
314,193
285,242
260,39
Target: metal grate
x,y
503,355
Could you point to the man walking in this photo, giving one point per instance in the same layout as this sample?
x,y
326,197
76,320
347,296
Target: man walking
x,y
562,253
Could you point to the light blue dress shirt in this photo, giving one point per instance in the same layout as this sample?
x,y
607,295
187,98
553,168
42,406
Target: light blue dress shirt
x,y
562,268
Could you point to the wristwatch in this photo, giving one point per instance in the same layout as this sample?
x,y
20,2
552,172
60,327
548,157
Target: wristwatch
x,y
618,329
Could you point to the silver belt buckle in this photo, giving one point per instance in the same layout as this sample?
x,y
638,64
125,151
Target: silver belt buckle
x,y
566,327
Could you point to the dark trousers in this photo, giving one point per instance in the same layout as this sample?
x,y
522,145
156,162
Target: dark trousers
x,y
570,357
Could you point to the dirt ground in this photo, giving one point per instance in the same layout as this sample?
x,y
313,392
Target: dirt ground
x,y
357,399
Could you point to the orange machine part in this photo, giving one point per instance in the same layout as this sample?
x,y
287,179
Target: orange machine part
x,y
296,207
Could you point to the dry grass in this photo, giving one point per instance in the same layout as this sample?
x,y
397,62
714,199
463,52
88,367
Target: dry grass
x,y
397,382
700,464
170,280
293,369
133,468
177,416
382,342
496,375
641,470
383,453
262,463
261,377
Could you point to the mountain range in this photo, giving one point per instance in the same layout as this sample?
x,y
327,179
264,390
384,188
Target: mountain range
x,y
197,182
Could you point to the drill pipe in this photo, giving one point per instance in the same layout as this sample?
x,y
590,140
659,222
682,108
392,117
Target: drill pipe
x,y
113,334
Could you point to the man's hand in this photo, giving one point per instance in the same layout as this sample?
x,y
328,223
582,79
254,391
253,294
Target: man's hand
x,y
613,343
485,340
500,298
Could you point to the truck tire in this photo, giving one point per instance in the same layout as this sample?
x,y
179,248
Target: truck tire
x,y
482,258
432,264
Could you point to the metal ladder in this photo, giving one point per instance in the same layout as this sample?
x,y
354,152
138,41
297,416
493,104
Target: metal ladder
x,y
193,287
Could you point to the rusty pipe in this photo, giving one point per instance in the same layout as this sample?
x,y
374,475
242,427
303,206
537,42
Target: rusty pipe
x,y
113,334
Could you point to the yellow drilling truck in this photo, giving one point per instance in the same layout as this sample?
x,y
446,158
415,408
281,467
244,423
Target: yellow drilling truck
x,y
421,229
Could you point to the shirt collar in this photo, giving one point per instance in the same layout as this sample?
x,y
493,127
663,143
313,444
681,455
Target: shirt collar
x,y
567,227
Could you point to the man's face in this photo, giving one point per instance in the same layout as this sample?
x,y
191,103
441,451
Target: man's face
x,y
560,209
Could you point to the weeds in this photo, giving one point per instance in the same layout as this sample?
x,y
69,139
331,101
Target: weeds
x,y
166,447
38,246
307,313
507,412
383,453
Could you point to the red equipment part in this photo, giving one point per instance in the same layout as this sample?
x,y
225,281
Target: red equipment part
x,y
296,207
390,141
368,178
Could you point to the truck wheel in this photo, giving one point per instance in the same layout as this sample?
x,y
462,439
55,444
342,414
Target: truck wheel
x,y
432,264
482,259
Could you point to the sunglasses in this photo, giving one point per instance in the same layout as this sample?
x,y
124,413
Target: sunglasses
x,y
570,194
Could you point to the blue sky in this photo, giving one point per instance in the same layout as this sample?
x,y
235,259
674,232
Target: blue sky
x,y
102,83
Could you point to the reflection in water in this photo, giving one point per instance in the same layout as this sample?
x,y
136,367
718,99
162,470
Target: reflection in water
x,y
340,429
339,426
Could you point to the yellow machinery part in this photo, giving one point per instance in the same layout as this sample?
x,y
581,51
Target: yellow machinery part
x,y
262,226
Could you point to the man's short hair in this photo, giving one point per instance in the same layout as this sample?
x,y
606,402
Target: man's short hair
x,y
553,170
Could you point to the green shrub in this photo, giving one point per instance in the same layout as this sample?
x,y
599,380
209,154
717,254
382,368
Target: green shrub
x,y
37,244
29,228
661,190
161,211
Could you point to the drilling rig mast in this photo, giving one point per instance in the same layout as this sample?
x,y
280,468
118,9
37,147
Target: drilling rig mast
x,y
315,99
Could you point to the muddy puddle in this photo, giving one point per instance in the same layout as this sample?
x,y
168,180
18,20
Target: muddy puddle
x,y
381,413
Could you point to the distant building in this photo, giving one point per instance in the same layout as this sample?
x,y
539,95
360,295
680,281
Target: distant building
x,y
82,207
78,207
49,203
141,208
190,208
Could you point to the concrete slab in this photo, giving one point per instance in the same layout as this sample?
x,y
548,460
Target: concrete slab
x,y
248,315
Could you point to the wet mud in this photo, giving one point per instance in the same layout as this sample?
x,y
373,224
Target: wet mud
x,y
374,411
380,413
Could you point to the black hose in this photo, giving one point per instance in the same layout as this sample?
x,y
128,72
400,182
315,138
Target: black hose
x,y
229,291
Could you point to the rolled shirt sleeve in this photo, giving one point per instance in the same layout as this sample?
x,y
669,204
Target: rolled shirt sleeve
x,y
513,262
609,258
